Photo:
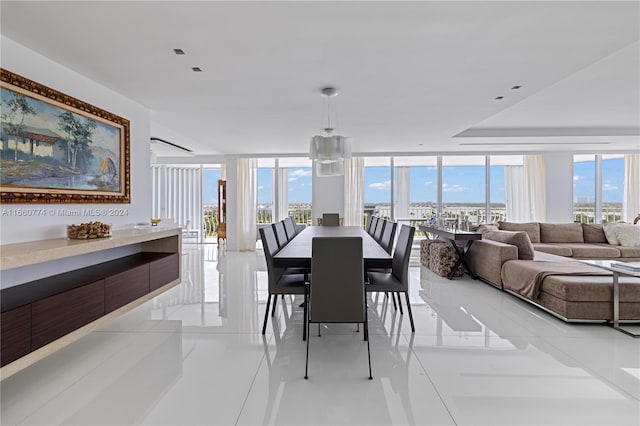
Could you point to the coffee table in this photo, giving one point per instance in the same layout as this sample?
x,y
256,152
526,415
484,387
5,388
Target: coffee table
x,y
613,266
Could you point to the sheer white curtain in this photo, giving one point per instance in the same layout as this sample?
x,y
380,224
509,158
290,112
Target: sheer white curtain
x,y
402,181
534,188
247,200
631,196
514,194
282,194
354,191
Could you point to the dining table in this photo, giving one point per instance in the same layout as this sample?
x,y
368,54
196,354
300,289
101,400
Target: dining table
x,y
297,253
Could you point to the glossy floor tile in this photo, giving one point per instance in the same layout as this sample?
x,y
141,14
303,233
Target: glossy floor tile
x,y
195,356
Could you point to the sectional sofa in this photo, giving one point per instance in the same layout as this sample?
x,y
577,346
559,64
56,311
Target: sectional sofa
x,y
538,262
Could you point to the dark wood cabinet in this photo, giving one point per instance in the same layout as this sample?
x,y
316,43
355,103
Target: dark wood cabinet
x,y
39,312
15,332
163,270
125,287
55,316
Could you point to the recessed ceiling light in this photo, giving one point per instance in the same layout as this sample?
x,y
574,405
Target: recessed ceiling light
x,y
516,87
178,51
499,97
420,144
196,69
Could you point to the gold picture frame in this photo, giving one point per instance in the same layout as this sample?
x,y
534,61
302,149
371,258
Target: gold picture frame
x,y
55,148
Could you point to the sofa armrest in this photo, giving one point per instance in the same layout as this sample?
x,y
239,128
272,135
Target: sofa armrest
x,y
486,258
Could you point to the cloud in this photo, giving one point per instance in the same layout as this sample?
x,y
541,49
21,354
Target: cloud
x,y
260,187
298,173
454,188
609,187
381,185
577,178
428,183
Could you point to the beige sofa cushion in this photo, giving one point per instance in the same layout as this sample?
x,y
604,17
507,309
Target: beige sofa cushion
x,y
591,251
561,233
531,228
519,239
590,288
553,249
628,252
486,258
593,233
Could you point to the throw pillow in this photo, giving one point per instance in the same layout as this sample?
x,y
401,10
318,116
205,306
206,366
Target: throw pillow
x,y
628,236
520,239
531,228
561,233
593,233
609,232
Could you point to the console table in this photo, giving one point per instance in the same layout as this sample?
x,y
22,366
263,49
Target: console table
x,y
452,236
42,316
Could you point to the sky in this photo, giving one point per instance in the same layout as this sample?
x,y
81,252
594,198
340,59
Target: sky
x,y
460,183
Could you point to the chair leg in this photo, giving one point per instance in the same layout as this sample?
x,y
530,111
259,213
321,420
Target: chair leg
x,y
366,332
305,319
266,315
393,298
306,362
406,295
399,302
319,335
275,302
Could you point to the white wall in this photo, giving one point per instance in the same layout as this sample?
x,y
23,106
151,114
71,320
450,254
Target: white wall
x,y
327,195
559,187
29,64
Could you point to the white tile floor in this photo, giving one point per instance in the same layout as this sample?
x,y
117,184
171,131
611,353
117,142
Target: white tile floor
x,y
195,356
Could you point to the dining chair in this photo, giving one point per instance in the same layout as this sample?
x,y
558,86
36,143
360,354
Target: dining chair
x,y
388,234
281,234
330,219
289,227
397,280
379,229
372,225
368,225
280,282
336,289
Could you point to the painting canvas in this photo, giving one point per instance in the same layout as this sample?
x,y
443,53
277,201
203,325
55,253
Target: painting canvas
x,y
58,149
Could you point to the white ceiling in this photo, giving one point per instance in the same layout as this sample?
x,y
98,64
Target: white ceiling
x,y
413,76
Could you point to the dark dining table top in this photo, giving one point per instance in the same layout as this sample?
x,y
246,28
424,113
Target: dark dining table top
x,y
297,253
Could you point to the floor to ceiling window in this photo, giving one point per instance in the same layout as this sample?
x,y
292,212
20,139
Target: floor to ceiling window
x,y
377,187
464,189
210,177
416,193
284,189
266,168
295,183
505,188
598,187
612,187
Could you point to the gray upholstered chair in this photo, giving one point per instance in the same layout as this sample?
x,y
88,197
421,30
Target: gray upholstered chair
x,y
280,282
368,225
289,227
330,219
372,225
337,285
281,234
388,234
379,229
396,281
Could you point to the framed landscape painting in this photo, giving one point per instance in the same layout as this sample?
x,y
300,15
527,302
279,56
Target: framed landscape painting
x,y
57,149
